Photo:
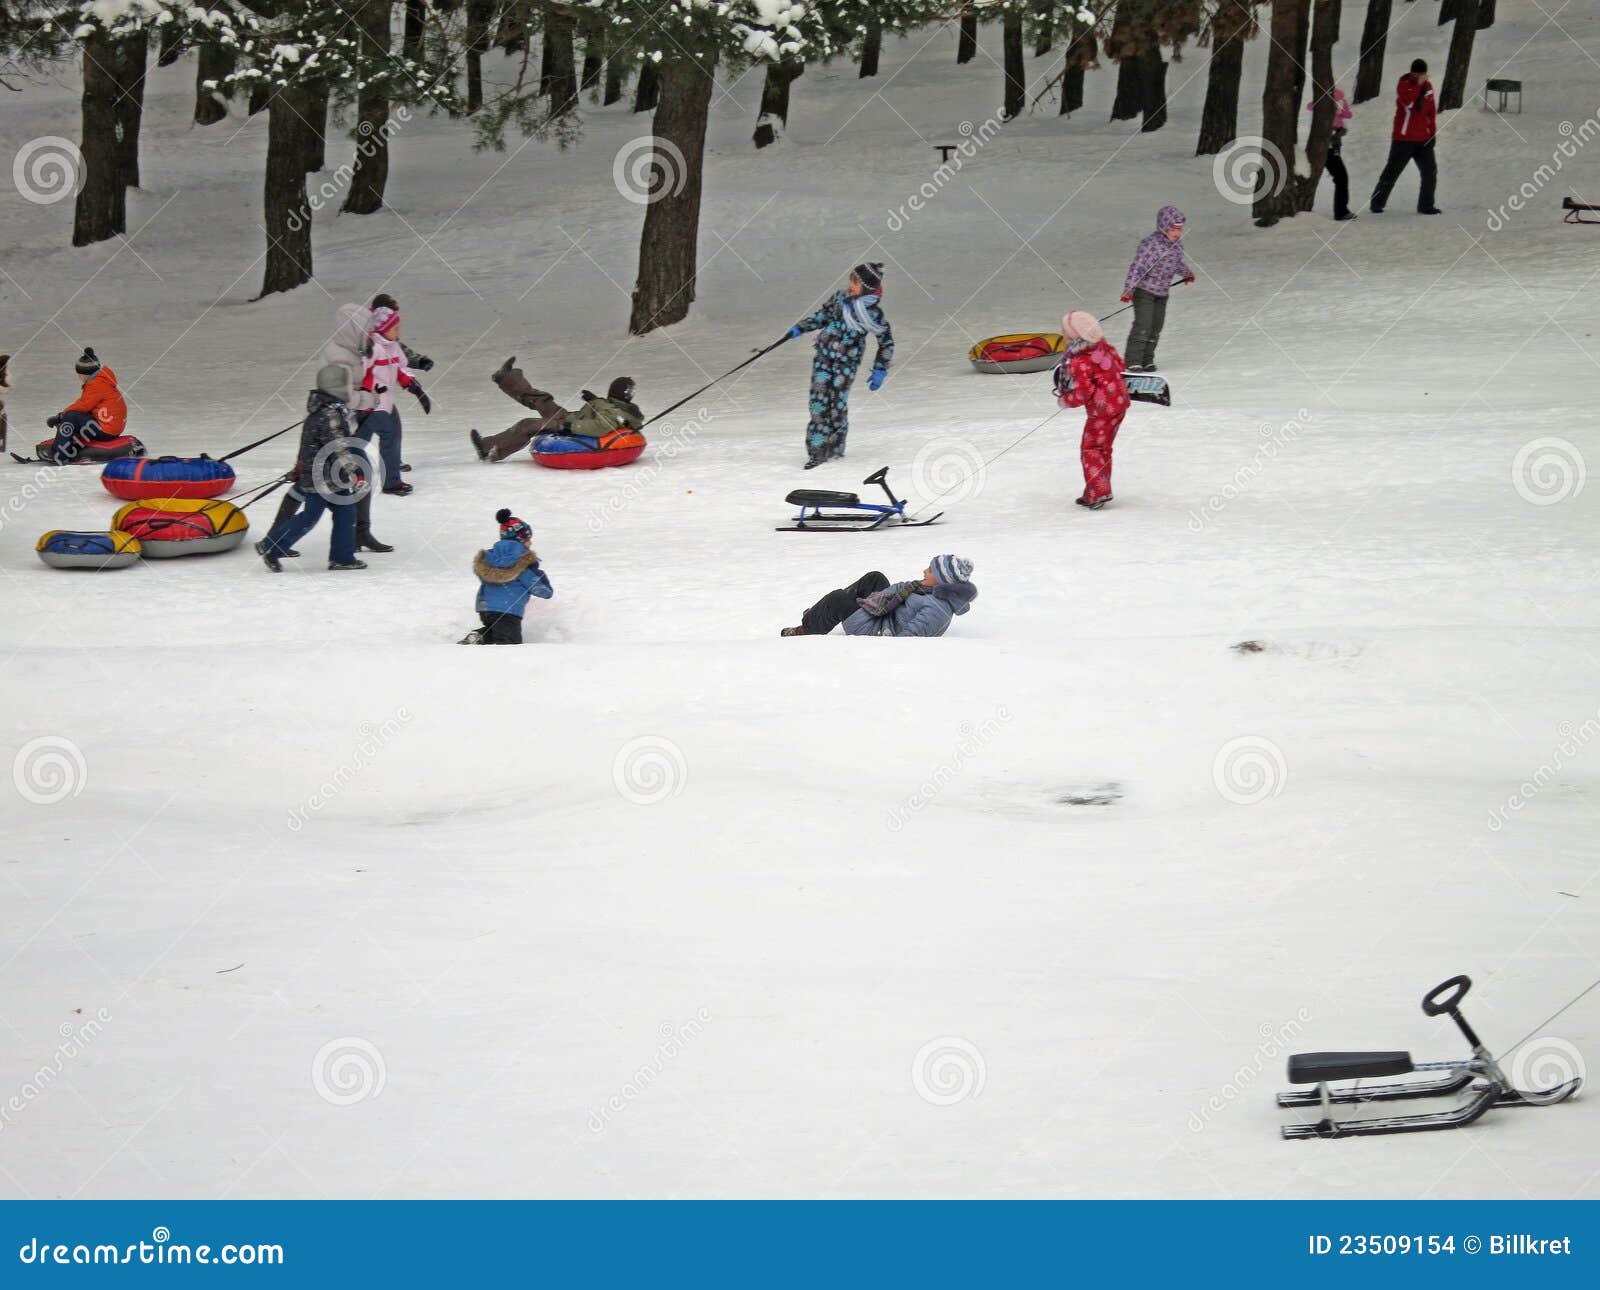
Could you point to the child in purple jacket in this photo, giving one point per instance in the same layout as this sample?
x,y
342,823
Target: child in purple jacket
x,y
1156,265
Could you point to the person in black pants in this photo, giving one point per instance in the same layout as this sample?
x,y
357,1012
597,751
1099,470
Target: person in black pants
x,y
837,605
1415,128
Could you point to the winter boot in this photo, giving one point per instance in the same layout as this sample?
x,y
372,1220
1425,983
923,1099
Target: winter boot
x,y
366,542
267,558
340,568
474,637
1094,505
478,445
505,366
399,490
793,631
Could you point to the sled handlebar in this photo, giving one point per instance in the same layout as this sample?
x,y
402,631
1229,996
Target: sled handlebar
x,y
1453,991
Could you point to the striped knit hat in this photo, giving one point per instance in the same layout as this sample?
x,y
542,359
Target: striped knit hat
x,y
948,569
513,528
383,318
870,275
87,364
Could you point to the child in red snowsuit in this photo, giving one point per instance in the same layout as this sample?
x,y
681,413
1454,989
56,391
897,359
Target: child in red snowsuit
x,y
1090,376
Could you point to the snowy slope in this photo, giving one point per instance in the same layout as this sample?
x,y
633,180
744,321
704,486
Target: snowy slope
x,y
368,914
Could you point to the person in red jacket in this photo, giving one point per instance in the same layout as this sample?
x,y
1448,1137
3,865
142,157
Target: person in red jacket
x,y
1090,377
1416,123
96,415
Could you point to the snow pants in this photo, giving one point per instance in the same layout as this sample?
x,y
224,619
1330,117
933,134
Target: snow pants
x,y
840,603
1099,434
832,372
1341,184
342,546
551,419
500,629
1149,317
73,430
386,426
1401,155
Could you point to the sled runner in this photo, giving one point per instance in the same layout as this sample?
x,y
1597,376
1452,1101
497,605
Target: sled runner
x,y
1579,212
1479,1076
98,450
822,511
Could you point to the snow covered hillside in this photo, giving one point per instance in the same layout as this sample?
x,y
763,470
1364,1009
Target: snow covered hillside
x,y
298,898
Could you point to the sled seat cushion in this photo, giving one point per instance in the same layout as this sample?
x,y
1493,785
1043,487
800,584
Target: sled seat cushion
x,y
99,450
1313,1068
821,497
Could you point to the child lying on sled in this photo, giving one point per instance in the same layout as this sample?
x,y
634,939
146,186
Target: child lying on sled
x,y
595,420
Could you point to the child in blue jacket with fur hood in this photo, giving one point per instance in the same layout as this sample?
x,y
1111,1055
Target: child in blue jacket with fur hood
x,y
508,577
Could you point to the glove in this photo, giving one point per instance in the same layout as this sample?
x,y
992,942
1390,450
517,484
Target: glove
x,y
1189,280
795,333
882,603
588,396
1128,299
421,362
876,380
422,396
52,421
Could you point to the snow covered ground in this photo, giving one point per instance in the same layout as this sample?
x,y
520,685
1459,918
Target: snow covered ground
x,y
663,905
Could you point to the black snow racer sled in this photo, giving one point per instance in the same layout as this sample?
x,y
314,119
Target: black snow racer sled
x,y
1479,1077
822,511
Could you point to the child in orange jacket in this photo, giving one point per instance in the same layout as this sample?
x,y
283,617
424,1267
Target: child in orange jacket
x,y
97,414
1090,377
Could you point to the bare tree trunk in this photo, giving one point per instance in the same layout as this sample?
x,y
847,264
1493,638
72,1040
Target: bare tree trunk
x,y
774,116
616,80
1453,89
1081,51
1324,35
288,213
872,45
260,96
1153,89
594,55
1280,111
1447,12
1374,39
170,47
1486,14
133,56
316,126
647,93
479,14
101,209
416,26
967,41
1219,118
370,173
215,63
558,65
669,246
1016,68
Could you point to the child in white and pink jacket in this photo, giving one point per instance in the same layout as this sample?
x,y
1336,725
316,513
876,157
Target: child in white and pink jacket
x,y
385,368
1342,116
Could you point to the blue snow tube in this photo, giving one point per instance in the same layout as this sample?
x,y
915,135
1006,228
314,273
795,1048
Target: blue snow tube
x,y
135,479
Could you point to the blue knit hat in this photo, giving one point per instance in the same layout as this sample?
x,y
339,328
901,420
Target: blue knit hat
x,y
948,569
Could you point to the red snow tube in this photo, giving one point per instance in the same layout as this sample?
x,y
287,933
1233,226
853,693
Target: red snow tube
x,y
136,478
569,452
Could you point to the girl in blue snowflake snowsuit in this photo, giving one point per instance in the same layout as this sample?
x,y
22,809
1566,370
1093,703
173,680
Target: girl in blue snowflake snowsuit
x,y
843,324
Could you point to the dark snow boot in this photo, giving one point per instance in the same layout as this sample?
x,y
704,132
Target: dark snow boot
x,y
505,367
1094,505
399,490
267,558
474,637
793,631
366,542
478,445
340,568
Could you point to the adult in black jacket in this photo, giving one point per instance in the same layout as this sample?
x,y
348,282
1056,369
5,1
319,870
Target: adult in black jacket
x,y
329,472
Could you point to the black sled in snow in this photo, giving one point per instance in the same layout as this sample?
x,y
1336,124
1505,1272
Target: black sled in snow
x,y
824,511
1478,1076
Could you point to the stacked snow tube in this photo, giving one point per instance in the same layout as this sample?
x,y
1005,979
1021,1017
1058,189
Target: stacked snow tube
x,y
174,526
137,478
1020,352
61,549
576,452
101,450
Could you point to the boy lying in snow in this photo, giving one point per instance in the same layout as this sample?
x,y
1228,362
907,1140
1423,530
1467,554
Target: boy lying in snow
x,y
597,420
872,606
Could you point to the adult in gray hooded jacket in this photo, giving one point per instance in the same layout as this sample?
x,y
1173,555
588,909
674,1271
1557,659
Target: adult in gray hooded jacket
x,y
873,606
